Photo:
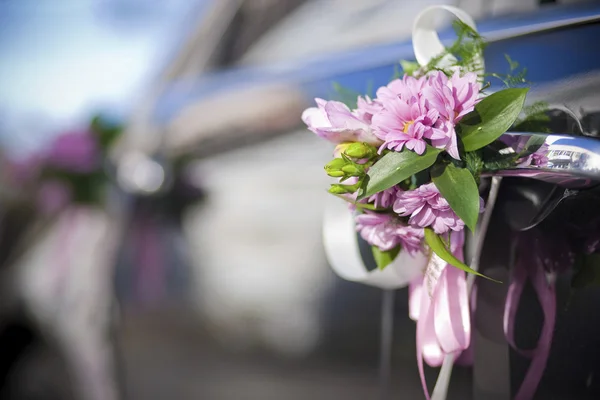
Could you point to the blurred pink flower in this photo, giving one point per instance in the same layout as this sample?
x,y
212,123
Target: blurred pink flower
x,y
22,170
74,151
335,122
52,196
386,232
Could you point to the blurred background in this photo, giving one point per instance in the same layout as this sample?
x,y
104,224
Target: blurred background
x,y
192,267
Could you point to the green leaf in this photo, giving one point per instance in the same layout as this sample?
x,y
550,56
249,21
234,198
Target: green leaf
x,y
437,245
458,187
492,117
106,130
384,258
395,167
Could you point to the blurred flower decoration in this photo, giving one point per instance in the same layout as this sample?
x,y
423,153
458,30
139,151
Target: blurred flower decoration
x,y
69,171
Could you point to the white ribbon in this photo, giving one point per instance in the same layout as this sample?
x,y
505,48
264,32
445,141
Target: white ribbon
x,y
426,42
343,254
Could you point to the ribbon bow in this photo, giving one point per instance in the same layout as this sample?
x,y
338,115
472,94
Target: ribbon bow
x,y
529,266
439,303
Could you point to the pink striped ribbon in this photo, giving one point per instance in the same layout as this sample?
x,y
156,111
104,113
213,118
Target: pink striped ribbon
x,y
442,313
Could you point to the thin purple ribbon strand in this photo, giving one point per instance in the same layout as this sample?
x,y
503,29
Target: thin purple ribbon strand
x,y
530,267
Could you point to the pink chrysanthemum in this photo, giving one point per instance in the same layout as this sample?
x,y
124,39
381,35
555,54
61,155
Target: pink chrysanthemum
x,y
366,108
335,122
453,98
385,198
426,207
387,232
405,88
404,122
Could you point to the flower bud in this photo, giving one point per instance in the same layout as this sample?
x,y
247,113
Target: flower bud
x,y
338,189
334,167
335,174
359,150
341,148
353,170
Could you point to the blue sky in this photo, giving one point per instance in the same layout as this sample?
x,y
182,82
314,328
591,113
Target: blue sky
x,y
62,60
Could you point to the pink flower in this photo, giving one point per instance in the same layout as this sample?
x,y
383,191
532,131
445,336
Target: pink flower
x,y
426,207
465,90
74,151
366,108
453,98
411,238
335,122
386,232
377,230
52,196
444,137
404,88
20,171
404,122
385,198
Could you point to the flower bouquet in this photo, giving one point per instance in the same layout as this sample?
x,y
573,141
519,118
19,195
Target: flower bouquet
x,y
410,162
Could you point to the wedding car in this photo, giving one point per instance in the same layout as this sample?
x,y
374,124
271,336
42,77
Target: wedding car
x,y
242,126
260,277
